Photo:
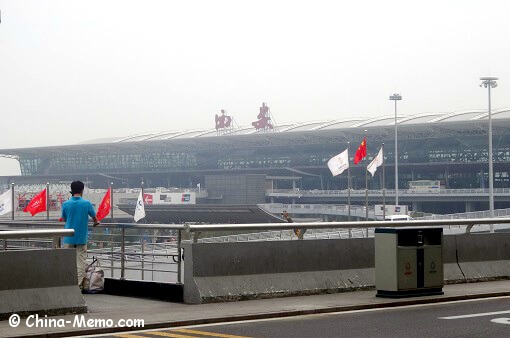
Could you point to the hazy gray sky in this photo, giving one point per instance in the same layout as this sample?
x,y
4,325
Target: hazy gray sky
x,y
71,71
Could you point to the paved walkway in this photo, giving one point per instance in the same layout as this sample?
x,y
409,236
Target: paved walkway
x,y
158,314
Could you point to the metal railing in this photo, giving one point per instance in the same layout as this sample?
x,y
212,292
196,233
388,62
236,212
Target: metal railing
x,y
133,251
289,235
470,214
389,192
124,250
196,230
43,233
321,209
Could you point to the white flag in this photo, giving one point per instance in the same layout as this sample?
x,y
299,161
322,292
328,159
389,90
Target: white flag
x,y
5,203
140,209
337,164
376,162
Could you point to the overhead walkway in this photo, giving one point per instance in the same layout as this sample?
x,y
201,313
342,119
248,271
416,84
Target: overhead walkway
x,y
405,195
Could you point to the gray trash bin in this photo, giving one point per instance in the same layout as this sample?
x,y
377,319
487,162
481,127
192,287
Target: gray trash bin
x,y
408,261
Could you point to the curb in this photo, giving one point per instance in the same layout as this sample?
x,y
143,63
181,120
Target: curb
x,y
269,315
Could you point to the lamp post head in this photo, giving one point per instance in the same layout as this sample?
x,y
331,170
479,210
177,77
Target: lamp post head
x,y
396,97
489,81
490,78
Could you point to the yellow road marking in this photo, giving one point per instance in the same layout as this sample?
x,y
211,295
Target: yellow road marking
x,y
168,334
205,333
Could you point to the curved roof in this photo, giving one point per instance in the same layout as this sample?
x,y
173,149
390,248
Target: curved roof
x,y
417,119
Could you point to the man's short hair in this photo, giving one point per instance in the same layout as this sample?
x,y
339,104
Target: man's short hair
x,y
77,187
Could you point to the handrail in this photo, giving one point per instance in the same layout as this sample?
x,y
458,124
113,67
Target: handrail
x,y
36,233
102,225
411,192
59,232
288,226
342,225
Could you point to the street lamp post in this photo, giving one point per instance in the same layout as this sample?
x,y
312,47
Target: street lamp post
x,y
490,82
396,97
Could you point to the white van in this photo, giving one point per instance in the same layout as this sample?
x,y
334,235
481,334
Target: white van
x,y
399,218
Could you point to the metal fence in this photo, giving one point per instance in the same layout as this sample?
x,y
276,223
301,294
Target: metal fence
x,y
389,192
319,209
472,214
289,235
153,251
32,236
126,251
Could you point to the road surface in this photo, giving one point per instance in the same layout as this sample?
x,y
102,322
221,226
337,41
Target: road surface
x,y
474,318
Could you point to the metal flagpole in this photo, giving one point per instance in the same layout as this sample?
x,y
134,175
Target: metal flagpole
x,y
47,201
366,194
143,198
111,200
12,200
383,187
348,185
366,183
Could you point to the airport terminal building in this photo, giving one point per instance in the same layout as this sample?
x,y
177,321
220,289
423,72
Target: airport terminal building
x,y
449,147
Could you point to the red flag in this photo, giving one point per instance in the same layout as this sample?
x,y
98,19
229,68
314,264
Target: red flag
x,y
37,204
361,153
104,208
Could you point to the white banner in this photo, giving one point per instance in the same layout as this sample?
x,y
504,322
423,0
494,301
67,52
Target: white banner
x,y
337,164
5,202
140,208
376,163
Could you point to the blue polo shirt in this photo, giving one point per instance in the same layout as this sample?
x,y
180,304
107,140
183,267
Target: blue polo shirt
x,y
76,212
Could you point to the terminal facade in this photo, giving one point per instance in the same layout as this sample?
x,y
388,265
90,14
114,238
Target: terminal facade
x,y
448,147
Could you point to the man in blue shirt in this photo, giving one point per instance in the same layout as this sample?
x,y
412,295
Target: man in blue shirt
x,y
76,212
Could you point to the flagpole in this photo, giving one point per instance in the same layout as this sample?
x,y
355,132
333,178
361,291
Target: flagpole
x,y
366,185
366,195
47,201
383,188
111,200
12,200
143,198
348,186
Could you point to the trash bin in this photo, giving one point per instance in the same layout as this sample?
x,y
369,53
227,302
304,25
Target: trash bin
x,y
408,261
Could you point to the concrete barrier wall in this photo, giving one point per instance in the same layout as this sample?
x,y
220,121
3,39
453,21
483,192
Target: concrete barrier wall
x,y
484,256
249,270
39,281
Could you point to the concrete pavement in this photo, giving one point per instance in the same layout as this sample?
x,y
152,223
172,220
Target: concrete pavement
x,y
159,314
